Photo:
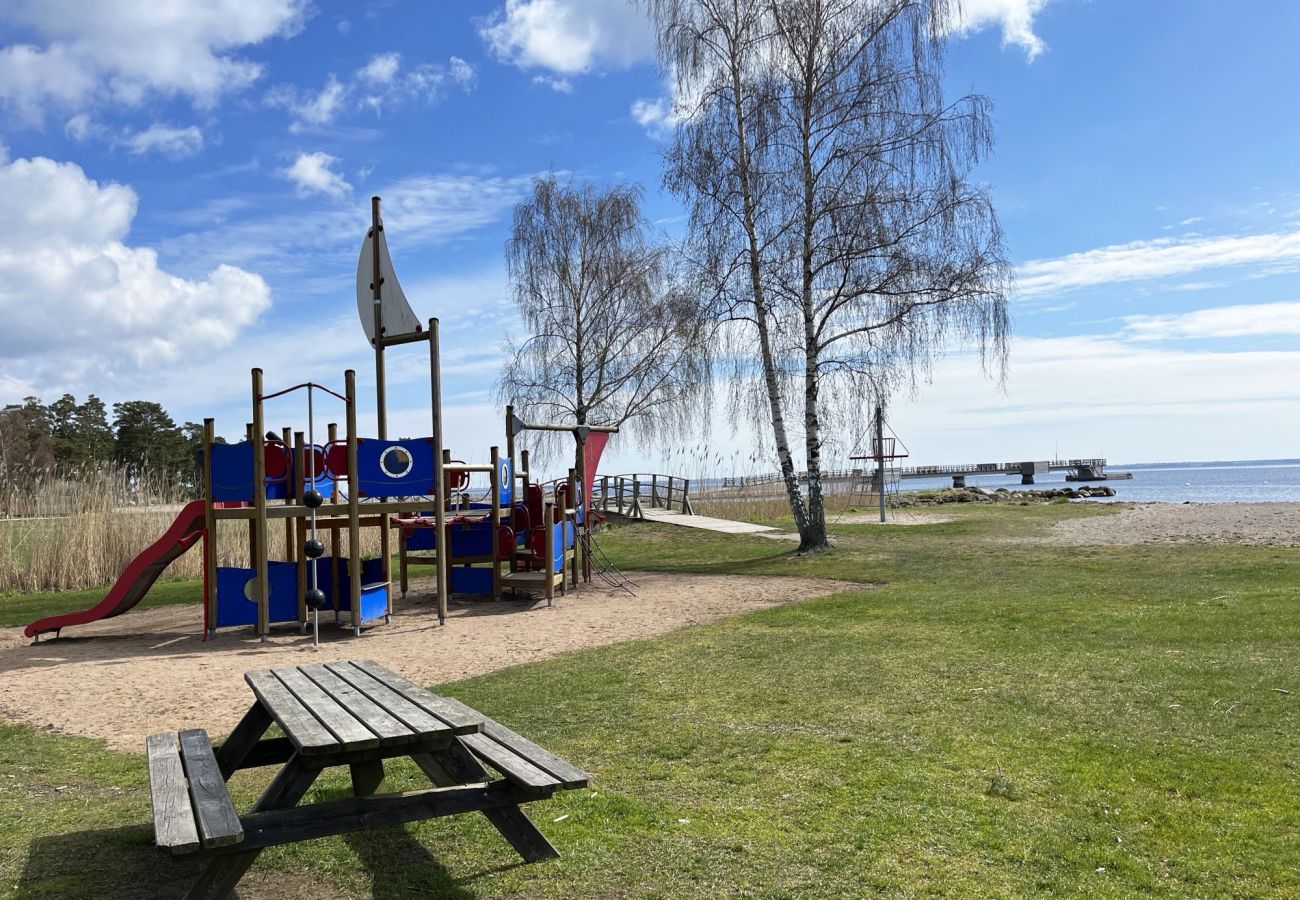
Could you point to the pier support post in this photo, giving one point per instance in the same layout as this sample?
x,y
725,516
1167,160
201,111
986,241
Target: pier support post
x,y
959,481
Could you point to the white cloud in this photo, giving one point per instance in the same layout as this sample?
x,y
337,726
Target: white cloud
x,y
461,72
79,128
310,110
79,304
168,140
1144,260
165,139
656,116
308,251
1242,320
314,173
381,69
381,83
1014,17
559,85
125,52
569,37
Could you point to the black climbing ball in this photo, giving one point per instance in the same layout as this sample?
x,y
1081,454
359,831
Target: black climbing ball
x,y
315,598
312,499
314,549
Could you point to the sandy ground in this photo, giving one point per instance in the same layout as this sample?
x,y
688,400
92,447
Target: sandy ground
x,y
1258,524
892,517
122,679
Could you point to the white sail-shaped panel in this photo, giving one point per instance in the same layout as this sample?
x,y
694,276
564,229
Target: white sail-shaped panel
x,y
398,317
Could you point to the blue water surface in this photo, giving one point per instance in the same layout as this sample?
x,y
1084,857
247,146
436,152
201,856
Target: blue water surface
x,y
1266,481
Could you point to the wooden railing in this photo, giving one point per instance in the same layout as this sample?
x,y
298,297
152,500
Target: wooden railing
x,y
629,495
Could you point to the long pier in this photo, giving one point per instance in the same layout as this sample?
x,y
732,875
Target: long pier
x,y
1093,469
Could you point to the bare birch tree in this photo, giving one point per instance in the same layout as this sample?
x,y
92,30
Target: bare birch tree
x,y
831,210
613,336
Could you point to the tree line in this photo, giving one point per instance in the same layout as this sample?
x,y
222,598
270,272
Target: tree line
x,y
65,437
836,242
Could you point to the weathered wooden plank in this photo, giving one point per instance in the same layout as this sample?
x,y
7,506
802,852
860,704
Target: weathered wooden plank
x,y
352,814
303,728
455,716
213,812
414,717
350,731
513,766
223,872
457,765
235,748
569,775
367,777
390,730
173,815
269,752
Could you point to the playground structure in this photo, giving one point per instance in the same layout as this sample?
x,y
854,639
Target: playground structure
x,y
490,515
547,521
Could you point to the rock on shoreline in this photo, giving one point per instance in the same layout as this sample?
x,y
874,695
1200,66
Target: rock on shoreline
x,y
1001,495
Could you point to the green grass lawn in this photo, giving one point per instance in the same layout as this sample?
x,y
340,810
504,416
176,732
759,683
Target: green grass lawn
x,y
988,716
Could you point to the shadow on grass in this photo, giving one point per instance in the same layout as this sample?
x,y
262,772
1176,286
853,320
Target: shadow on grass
x,y
106,863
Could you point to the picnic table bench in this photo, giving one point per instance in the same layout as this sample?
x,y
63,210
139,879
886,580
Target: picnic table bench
x,y
355,714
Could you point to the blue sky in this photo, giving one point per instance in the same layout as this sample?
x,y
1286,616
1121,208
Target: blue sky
x,y
184,189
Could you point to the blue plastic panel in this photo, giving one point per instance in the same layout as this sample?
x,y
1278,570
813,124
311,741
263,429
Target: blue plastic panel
x,y
232,471
233,589
558,545
505,483
374,481
232,476
374,601
422,539
471,579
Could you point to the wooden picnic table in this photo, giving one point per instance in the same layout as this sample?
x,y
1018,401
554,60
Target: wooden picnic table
x,y
355,714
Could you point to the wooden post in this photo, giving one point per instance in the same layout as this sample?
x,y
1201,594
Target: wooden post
x,y
296,536
604,493
668,504
571,501
636,496
686,497
259,522
619,487
335,537
291,495
381,391
209,534
548,548
441,553
496,522
654,491
354,510
252,526
880,457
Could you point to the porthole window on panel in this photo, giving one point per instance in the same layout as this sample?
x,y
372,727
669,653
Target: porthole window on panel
x,y
396,462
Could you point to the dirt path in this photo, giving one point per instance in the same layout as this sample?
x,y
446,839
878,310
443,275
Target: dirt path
x,y
125,678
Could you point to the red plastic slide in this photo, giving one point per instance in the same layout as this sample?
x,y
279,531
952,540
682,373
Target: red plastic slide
x,y
139,575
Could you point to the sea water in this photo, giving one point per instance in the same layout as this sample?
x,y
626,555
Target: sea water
x,y
1258,481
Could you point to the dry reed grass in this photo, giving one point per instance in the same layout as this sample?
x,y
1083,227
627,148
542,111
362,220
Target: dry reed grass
x,y
768,507
70,533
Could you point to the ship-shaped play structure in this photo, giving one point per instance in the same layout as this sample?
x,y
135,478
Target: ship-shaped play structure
x,y
487,528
